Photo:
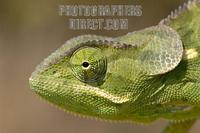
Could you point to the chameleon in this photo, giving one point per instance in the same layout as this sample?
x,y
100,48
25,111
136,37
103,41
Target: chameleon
x,y
141,77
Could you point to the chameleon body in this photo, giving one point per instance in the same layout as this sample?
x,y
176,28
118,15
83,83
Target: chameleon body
x,y
150,74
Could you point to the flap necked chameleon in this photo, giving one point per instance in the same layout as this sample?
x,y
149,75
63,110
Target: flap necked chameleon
x,y
150,74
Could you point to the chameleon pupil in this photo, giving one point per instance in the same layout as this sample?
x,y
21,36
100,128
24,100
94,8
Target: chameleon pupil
x,y
85,64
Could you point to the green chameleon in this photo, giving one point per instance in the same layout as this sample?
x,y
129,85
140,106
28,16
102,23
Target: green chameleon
x,y
150,74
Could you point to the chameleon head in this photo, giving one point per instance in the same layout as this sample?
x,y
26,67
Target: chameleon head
x,y
78,78
103,78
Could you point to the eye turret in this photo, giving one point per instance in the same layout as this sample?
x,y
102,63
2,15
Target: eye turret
x,y
88,64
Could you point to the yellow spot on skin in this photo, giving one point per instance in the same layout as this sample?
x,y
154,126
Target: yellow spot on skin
x,y
190,53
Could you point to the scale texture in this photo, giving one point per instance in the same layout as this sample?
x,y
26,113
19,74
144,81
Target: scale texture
x,y
150,74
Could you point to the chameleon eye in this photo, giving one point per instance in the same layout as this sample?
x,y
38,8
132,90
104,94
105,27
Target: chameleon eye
x,y
88,64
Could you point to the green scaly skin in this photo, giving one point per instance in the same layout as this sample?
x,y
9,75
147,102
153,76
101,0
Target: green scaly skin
x,y
140,77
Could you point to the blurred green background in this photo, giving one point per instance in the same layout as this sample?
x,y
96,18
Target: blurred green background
x,y
29,31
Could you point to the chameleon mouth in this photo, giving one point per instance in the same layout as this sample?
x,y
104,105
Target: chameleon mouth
x,y
43,85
